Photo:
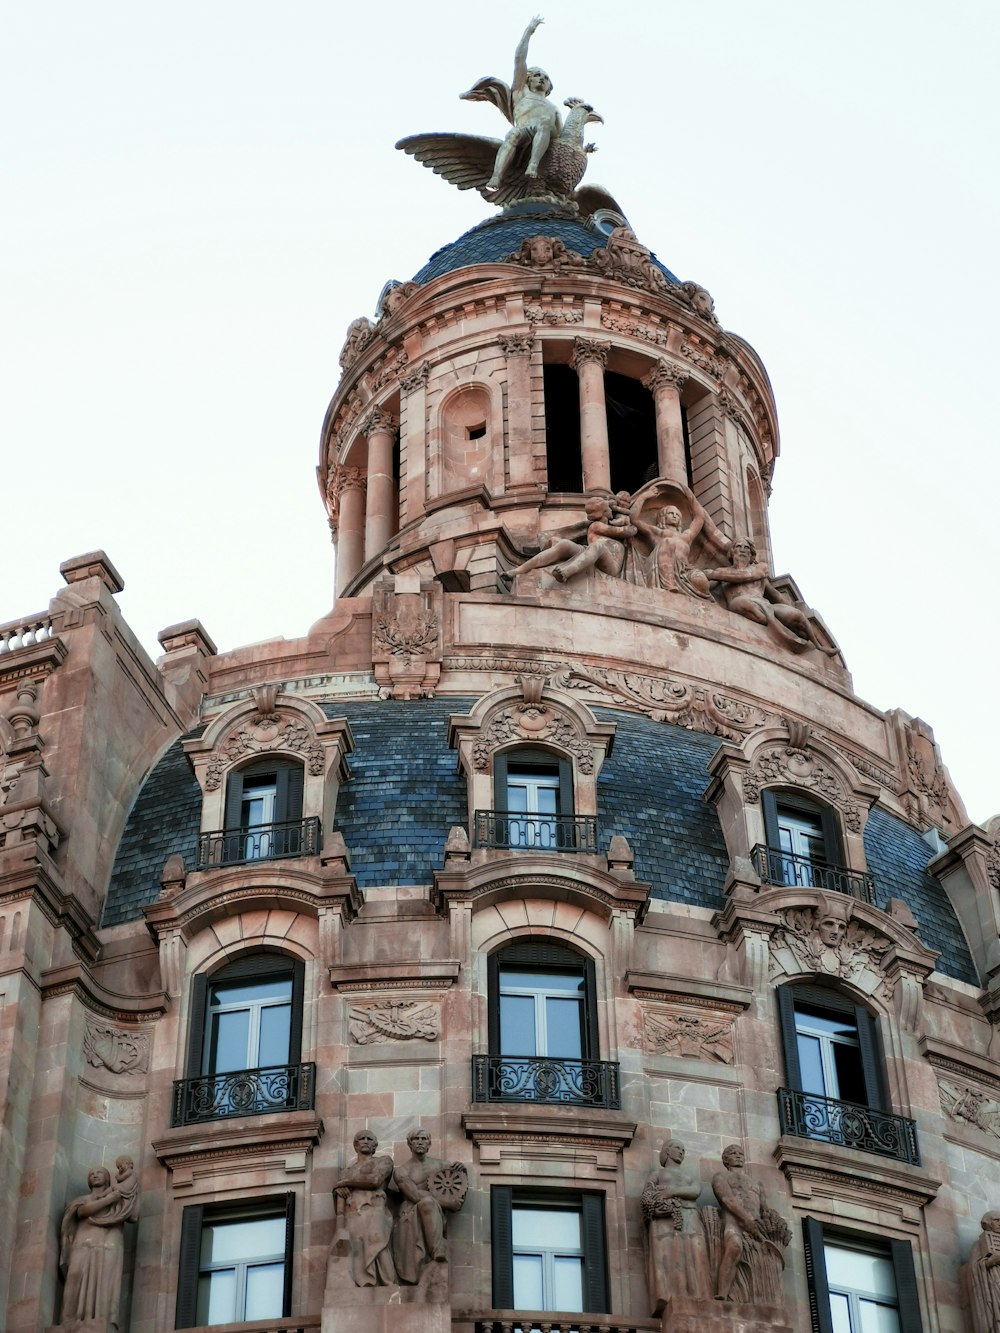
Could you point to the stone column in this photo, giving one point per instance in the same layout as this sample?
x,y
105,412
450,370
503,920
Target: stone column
x,y
665,382
589,359
380,427
413,386
350,489
517,348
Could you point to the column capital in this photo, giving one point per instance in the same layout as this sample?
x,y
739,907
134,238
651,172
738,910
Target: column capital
x,y
516,344
414,379
347,479
590,349
378,422
665,375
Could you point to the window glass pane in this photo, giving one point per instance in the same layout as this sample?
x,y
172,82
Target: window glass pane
x,y
275,1034
241,1239
548,1228
826,1023
228,1045
517,1025
879,1318
840,1313
541,981
246,992
811,1064
517,798
562,1029
217,1297
528,1290
568,1293
867,1273
547,800
850,1075
265,1291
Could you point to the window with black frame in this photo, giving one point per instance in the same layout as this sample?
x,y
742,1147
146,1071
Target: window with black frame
x,y
263,817
533,806
235,1263
859,1284
549,1250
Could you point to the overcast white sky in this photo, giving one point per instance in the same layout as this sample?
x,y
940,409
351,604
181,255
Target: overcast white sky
x,y
199,197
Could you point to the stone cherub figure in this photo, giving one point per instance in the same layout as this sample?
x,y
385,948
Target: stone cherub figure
x,y
430,1188
92,1245
984,1276
362,1210
748,591
541,156
753,1235
678,1259
608,529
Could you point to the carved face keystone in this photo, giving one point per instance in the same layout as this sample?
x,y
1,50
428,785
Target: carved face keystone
x,y
831,930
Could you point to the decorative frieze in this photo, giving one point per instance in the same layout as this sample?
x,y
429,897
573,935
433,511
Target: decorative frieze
x,y
558,314
115,1049
394,1020
970,1106
689,1036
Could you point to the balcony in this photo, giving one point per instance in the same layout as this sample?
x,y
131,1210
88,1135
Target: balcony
x,y
548,1321
785,869
536,833
538,1079
807,1115
264,842
243,1092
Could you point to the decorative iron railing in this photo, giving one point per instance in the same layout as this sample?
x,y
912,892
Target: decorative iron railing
x,y
536,1078
536,833
263,842
244,1092
544,1321
810,1116
785,868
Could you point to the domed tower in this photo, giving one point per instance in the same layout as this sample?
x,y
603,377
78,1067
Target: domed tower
x,y
550,932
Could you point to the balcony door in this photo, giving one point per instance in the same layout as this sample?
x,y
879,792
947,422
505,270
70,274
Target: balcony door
x,y
533,791
803,841
264,811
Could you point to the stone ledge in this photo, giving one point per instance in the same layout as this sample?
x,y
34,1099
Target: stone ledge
x,y
487,1123
686,990
850,1174
283,1133
408,973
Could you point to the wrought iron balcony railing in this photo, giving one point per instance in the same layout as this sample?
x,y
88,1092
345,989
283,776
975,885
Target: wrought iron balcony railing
x,y
810,1116
546,1321
244,1092
536,833
777,867
536,1078
263,842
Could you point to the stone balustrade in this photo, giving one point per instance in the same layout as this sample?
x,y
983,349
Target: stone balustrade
x,y
25,632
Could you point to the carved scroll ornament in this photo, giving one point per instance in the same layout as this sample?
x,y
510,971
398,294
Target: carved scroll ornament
x,y
800,768
260,734
120,1051
532,721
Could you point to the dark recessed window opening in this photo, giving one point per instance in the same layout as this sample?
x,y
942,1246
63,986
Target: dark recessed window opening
x,y
477,432
631,432
562,429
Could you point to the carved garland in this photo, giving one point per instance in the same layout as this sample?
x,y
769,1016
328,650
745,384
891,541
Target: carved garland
x,y
532,722
799,768
261,734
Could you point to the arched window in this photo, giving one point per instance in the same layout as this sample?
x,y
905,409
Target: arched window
x,y
264,815
835,1073
533,806
245,1041
803,842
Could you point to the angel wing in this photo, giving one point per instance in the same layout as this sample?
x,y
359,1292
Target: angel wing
x,y
494,91
466,160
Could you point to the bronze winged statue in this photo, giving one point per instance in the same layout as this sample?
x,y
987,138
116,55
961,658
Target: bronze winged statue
x,y
542,157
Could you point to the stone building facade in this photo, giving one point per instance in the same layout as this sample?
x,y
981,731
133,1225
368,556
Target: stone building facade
x,y
563,838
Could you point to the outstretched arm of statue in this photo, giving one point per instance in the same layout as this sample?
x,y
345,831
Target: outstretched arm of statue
x,y
521,55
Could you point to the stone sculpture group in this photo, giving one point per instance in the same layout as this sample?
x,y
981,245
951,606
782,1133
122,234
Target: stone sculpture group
x,y
387,1247
92,1246
734,1252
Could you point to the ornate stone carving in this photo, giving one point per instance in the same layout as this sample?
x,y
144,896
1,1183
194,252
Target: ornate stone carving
x,y
697,298
664,373
260,734
359,334
394,1020
396,294
390,372
748,591
746,1237
670,542
831,940
797,767
625,259
415,379
562,314
608,531
703,358
516,344
364,1222
689,1036
545,252
338,480
971,1106
431,1189
984,1276
928,797
650,333
589,349
532,721
120,1051
405,638
23,714
678,1259
378,422
92,1246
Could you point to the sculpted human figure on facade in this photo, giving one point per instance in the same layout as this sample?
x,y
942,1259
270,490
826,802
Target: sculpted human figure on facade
x,y
748,591
429,1187
678,1259
607,533
753,1238
361,1207
535,118
984,1277
671,545
92,1245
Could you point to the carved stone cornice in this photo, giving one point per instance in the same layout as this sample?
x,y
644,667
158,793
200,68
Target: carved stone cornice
x,y
689,991
518,875
75,979
415,379
33,662
261,1136
516,344
378,421
548,1125
404,974
665,375
814,1167
588,350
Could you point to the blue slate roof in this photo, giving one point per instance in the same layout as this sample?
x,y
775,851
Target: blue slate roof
x,y
493,240
405,794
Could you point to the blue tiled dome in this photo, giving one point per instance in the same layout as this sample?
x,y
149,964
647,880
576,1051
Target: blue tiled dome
x,y
405,794
492,241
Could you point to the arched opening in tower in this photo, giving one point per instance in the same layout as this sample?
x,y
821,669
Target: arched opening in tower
x,y
631,432
562,428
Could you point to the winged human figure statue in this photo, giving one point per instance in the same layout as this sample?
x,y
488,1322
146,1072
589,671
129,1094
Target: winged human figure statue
x,y
542,157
